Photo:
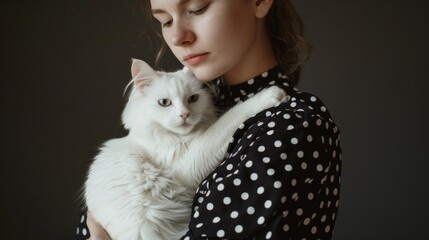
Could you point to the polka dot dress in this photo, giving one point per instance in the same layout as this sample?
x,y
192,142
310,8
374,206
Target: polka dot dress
x,y
281,176
82,231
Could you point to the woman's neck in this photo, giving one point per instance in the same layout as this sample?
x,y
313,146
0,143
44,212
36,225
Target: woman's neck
x,y
258,60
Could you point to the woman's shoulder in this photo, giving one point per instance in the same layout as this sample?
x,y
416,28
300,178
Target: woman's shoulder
x,y
302,103
300,110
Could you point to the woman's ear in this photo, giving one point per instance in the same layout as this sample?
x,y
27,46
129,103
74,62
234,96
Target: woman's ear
x,y
262,7
141,73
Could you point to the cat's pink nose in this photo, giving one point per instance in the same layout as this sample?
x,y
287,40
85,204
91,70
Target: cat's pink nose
x,y
184,115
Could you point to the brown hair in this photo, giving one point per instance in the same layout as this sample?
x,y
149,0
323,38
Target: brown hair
x,y
285,29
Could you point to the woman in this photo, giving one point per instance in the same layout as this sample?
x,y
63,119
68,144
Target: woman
x,y
282,178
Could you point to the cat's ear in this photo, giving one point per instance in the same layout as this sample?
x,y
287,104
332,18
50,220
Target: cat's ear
x,y
141,73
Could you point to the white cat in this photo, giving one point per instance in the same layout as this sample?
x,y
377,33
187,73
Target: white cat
x,y
141,186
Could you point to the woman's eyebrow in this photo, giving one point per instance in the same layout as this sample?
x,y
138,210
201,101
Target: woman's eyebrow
x,y
180,3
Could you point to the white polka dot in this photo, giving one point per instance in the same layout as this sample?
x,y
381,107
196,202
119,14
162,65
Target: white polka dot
x,y
323,108
196,214
261,149
313,99
265,74
323,219
314,230
220,233
310,196
226,200
271,124
294,140
249,164
300,154
304,165
237,182
268,204
210,206
277,184
293,182
286,228
254,176
299,211
293,104
307,221
327,228
82,219
220,187
216,219
251,81
277,143
249,136
187,238
288,167
250,210
266,159
245,196
305,124
318,122
309,138
290,127
238,229
283,156
315,154
286,116
199,225
319,167
84,232
260,190
268,113
234,214
268,235
271,172
295,196
261,220
77,230
269,133
283,199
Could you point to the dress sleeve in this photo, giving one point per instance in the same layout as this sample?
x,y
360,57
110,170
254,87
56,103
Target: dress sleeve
x,y
271,185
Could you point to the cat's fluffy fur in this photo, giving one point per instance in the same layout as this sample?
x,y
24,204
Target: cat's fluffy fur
x,y
141,186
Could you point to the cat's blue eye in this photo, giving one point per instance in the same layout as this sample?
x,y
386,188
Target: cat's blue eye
x,y
164,102
193,98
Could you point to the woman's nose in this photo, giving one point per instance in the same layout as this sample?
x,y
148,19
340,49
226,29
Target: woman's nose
x,y
181,35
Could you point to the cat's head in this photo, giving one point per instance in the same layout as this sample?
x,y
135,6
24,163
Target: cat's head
x,y
174,101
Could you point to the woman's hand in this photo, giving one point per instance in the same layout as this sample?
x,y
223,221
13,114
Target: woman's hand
x,y
95,229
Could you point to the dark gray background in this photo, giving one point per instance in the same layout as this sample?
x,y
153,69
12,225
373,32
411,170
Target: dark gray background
x,y
64,65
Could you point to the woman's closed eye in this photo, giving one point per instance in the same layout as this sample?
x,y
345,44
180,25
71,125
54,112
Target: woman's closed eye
x,y
199,11
166,24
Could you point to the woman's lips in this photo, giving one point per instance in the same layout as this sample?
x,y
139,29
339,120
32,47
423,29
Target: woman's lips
x,y
195,59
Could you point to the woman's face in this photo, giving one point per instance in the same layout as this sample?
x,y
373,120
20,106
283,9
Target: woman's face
x,y
211,37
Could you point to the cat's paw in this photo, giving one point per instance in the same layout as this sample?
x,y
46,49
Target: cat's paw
x,y
271,96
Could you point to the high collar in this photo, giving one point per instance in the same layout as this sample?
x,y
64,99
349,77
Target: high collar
x,y
229,95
